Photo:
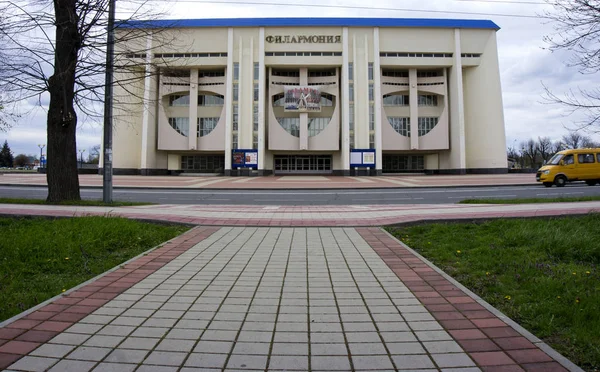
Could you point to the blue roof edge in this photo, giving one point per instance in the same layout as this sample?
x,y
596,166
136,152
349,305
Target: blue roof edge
x,y
313,22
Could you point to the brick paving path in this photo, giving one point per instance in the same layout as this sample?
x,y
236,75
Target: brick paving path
x,y
295,299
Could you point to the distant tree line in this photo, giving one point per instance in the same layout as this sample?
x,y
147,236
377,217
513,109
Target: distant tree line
x,y
534,152
8,160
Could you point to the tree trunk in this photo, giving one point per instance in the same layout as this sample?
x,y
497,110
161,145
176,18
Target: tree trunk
x,y
62,177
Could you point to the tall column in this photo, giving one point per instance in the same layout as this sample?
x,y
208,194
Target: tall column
x,y
457,109
148,110
413,99
193,117
229,101
377,101
303,115
261,98
345,102
242,98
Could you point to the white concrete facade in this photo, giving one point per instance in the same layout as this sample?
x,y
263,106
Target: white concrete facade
x,y
423,95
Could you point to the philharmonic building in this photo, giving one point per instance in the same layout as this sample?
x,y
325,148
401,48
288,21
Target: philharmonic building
x,y
340,96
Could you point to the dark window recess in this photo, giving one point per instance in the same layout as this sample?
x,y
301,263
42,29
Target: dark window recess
x,y
203,163
395,163
302,163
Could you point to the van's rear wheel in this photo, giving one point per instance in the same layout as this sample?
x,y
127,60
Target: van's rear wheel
x,y
560,181
548,184
591,182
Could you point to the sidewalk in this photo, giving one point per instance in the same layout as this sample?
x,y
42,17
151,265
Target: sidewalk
x,y
258,299
352,215
283,182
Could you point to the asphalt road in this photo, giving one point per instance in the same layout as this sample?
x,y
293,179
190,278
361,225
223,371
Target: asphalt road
x,y
316,197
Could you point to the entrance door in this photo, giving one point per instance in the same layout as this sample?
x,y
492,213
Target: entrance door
x,y
395,163
302,164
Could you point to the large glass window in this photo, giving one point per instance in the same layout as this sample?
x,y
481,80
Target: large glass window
x,y
255,92
351,117
234,121
350,71
234,141
316,125
291,125
395,73
181,125
235,92
370,70
204,74
428,73
179,100
236,71
256,70
371,92
211,100
279,100
395,100
400,125
326,100
426,125
206,125
428,100
371,117
206,163
255,117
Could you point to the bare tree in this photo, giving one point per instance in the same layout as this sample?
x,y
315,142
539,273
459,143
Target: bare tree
x,y
529,151
576,25
588,143
557,146
574,140
59,47
544,148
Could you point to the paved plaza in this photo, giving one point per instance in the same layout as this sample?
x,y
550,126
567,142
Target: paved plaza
x,y
276,299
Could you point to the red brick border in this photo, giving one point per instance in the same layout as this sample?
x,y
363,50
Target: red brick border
x,y
27,333
493,344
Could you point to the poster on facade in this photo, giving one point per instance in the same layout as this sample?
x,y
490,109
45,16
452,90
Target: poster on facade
x,y
368,158
238,158
251,158
302,99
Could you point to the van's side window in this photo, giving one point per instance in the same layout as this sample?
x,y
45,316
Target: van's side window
x,y
598,158
569,159
585,158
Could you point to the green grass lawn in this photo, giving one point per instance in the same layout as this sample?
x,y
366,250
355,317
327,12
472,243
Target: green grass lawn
x,y
39,258
542,273
85,203
531,200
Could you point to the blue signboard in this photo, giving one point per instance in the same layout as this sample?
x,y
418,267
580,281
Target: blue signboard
x,y
241,158
43,161
363,158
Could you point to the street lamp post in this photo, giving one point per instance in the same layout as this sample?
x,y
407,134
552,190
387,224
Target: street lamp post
x,y
41,154
81,158
108,91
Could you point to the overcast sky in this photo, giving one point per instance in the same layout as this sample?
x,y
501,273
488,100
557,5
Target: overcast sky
x,y
525,64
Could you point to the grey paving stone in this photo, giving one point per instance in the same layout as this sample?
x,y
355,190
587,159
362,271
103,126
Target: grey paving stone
x,y
114,330
206,360
52,350
155,332
218,335
147,368
89,353
327,337
433,336
138,313
377,363
213,347
159,322
286,363
329,349
294,337
405,348
412,361
289,348
198,315
359,327
126,356
255,336
252,348
367,349
225,325
128,321
398,336
70,338
88,329
247,361
72,366
463,369
417,316
393,326
98,319
260,326
185,334
114,311
104,341
330,363
436,347
166,358
425,326
114,367
453,360
363,337
139,343
176,345
33,363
